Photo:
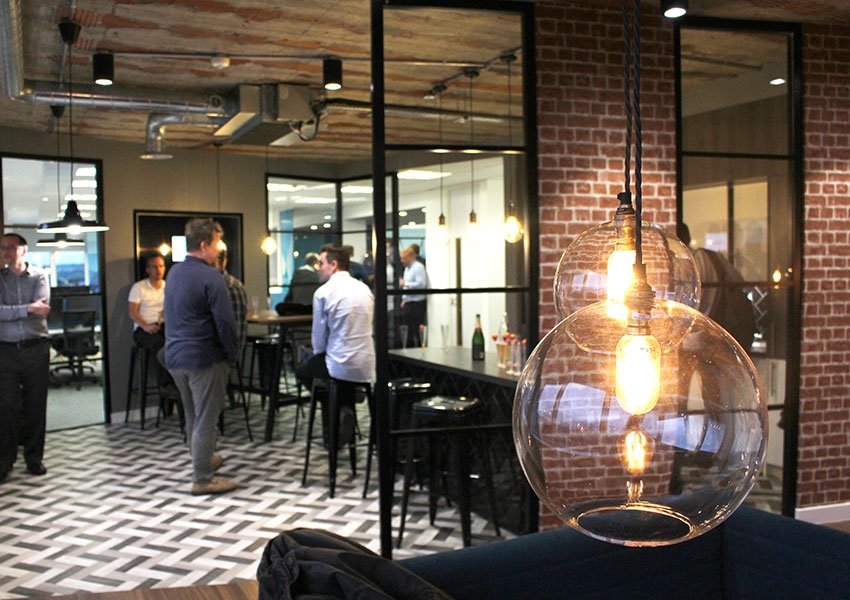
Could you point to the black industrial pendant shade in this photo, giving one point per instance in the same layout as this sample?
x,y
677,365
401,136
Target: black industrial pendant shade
x,y
332,73
72,222
103,68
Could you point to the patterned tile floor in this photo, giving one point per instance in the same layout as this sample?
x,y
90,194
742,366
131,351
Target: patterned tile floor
x,y
114,512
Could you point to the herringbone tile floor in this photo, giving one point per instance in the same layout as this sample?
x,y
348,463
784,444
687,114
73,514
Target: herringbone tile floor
x,y
114,512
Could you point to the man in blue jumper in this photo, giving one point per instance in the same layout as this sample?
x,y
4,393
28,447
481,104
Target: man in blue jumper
x,y
200,347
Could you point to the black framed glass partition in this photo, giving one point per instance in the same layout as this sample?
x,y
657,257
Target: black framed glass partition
x,y
472,160
36,190
740,184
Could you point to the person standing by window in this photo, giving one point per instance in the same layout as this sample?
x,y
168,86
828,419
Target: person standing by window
x,y
24,357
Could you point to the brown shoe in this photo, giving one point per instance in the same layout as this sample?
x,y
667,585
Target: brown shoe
x,y
216,462
216,485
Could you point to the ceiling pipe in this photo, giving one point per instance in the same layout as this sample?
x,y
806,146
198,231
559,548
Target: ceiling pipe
x,y
37,92
155,131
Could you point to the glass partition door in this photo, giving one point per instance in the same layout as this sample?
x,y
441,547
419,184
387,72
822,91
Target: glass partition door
x,y
740,183
37,190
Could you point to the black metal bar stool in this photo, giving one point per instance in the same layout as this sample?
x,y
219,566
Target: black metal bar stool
x,y
339,393
443,413
143,357
404,391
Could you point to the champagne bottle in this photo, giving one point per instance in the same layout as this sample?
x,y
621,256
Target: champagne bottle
x,y
478,340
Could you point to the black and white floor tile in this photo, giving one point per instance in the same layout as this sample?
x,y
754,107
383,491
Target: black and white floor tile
x,y
114,511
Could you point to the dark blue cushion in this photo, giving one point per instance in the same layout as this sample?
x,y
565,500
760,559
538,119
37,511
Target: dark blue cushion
x,y
564,564
768,556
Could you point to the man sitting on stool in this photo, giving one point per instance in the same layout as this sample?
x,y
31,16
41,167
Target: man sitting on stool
x,y
342,331
144,305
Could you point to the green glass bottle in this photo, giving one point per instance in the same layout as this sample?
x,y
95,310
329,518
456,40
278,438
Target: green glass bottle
x,y
478,340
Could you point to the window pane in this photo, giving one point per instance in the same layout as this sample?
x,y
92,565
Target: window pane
x,y
732,100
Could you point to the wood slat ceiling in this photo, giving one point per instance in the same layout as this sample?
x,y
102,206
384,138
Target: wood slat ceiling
x,y
274,41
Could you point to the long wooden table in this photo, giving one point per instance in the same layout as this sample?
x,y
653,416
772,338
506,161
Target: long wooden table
x,y
283,323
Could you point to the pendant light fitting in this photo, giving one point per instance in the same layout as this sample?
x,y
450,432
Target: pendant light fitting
x,y
332,73
103,67
72,222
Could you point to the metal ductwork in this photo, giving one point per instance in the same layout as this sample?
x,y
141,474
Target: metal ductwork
x,y
268,112
155,131
40,92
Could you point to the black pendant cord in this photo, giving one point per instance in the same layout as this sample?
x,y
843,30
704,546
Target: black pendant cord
x,y
440,141
631,34
70,116
638,141
627,88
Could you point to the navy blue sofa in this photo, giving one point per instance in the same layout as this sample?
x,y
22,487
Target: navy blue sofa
x,y
752,555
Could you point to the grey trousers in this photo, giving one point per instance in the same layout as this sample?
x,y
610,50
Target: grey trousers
x,y
203,393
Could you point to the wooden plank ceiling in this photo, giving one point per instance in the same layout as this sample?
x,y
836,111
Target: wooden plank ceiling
x,y
164,49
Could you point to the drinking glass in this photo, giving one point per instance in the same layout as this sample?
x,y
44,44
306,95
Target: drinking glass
x,y
423,336
444,330
402,332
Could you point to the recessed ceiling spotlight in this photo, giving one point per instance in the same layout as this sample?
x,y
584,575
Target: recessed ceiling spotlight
x,y
777,81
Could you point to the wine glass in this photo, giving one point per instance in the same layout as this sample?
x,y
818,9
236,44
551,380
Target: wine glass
x,y
444,331
423,336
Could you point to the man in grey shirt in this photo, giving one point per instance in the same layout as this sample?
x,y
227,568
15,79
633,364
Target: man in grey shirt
x,y
24,357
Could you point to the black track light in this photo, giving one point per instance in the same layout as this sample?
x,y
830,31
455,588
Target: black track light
x,y
103,68
332,73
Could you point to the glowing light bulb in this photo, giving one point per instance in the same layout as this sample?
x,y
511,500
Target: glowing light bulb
x,y
164,249
635,448
620,274
74,230
269,246
777,276
443,236
638,372
222,247
513,230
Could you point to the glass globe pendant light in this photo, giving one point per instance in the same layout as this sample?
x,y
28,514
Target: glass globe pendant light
x,y
642,427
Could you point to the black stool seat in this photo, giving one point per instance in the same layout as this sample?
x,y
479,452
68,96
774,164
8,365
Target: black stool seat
x,y
443,413
340,393
403,392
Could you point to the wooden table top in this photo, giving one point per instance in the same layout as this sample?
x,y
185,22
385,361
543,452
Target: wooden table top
x,y
272,318
243,590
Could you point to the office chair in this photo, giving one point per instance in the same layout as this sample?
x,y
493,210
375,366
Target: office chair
x,y
77,343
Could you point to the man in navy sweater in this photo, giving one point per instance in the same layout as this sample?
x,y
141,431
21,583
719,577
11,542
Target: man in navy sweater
x,y
200,347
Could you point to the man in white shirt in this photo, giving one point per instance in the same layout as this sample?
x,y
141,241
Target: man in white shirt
x,y
145,304
343,347
414,308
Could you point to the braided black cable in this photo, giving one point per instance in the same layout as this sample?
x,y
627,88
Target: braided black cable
x,y
628,91
638,138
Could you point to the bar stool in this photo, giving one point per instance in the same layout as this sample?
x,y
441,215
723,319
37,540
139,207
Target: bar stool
x,y
338,391
442,412
143,357
403,392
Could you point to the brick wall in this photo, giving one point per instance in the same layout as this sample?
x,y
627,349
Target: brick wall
x,y
824,443
581,122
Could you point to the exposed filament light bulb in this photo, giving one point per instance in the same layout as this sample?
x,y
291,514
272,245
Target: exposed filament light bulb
x,y
638,372
636,449
638,353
